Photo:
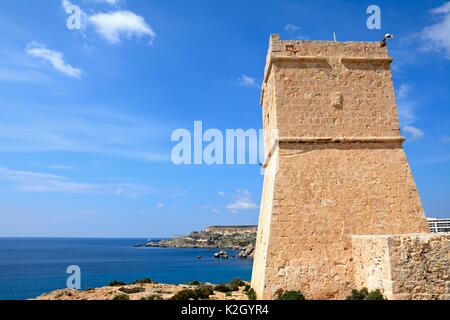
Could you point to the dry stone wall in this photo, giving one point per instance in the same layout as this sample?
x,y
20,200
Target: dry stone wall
x,y
404,267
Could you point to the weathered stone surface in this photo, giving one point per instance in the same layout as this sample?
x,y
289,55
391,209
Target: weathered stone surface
x,y
156,291
339,168
404,267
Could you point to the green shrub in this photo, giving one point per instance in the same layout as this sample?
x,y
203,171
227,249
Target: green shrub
x,y
202,293
144,281
291,295
375,295
364,294
251,294
222,288
246,288
121,296
237,282
185,294
195,283
233,287
152,297
358,294
117,283
228,294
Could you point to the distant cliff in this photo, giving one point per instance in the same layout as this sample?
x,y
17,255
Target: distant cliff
x,y
232,229
241,238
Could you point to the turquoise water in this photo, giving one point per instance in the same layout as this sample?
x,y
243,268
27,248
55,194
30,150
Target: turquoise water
x,y
32,266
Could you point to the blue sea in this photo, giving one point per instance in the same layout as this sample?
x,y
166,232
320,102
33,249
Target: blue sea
x,y
30,267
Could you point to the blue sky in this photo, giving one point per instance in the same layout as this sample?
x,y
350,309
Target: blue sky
x,y
86,115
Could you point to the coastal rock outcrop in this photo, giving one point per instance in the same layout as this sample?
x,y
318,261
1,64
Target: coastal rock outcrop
x,y
239,238
141,291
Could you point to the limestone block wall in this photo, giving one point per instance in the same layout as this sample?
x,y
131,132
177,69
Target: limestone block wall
x,y
322,196
340,165
331,89
264,228
404,267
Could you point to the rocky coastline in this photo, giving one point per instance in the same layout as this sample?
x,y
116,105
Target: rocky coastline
x,y
240,240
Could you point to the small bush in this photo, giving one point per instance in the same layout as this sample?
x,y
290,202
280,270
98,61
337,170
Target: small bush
x,y
202,293
185,294
222,288
121,296
375,295
291,295
237,282
195,283
233,287
117,283
246,288
364,294
228,294
358,294
144,281
153,297
251,294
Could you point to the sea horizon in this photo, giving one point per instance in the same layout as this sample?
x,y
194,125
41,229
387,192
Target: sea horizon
x,y
31,266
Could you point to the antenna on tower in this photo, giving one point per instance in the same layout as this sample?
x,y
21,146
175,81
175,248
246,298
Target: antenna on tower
x,y
334,36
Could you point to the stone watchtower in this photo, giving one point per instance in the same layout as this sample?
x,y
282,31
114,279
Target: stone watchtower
x,y
339,166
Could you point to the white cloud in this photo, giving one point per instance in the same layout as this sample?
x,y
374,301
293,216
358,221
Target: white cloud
x,y
404,90
445,8
121,24
18,75
436,37
66,4
221,193
291,28
160,205
407,112
110,2
406,105
38,182
55,58
212,209
62,167
115,25
293,32
247,81
413,132
81,129
243,202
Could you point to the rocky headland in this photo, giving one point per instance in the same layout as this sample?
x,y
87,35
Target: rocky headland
x,y
240,239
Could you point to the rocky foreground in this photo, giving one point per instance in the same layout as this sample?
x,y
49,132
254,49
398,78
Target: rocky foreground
x,y
150,291
239,238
